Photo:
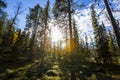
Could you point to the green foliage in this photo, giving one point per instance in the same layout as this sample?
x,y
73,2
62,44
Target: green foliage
x,y
2,5
101,39
60,8
84,61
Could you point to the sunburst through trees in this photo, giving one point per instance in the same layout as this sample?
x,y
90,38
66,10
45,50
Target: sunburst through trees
x,y
52,46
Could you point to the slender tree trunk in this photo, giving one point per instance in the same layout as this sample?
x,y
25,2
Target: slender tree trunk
x,y
32,42
46,23
44,45
70,28
66,35
115,27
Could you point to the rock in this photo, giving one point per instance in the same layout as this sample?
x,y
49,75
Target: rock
x,y
52,73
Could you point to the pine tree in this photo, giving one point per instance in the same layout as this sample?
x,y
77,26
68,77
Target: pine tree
x,y
63,8
101,39
7,42
33,20
113,46
113,22
63,11
95,26
76,38
45,18
3,16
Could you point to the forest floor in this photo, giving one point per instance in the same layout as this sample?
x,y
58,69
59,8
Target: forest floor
x,y
29,72
58,71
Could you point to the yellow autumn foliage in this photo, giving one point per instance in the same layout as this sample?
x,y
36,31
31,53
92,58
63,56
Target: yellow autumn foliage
x,y
15,37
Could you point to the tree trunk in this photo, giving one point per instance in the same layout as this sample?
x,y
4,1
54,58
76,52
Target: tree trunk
x,y
115,27
70,28
32,41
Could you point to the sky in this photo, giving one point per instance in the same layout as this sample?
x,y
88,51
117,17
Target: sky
x,y
26,4
83,18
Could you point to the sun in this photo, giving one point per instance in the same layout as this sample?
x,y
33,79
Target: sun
x,y
56,35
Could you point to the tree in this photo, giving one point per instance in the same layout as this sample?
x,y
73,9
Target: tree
x,y
64,8
2,5
3,16
9,30
33,20
71,38
113,46
101,39
7,42
76,38
113,21
20,42
45,21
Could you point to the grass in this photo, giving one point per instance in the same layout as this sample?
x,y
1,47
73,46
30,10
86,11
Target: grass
x,y
17,73
51,78
58,71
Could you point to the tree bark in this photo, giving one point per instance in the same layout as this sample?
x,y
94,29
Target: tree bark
x,y
32,42
70,28
115,27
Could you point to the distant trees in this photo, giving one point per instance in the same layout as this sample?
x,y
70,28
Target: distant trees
x,y
101,39
66,10
76,38
78,57
2,20
12,40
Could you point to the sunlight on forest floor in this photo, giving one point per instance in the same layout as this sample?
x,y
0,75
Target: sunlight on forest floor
x,y
61,40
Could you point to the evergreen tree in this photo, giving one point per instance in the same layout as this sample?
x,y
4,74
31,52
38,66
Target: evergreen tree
x,y
76,38
3,16
101,39
45,19
20,43
112,20
7,42
64,8
46,41
113,46
33,20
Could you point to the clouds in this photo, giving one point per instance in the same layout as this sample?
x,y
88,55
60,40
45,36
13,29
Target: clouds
x,y
84,18
84,23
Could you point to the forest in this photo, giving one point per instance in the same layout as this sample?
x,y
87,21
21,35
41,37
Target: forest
x,y
52,46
